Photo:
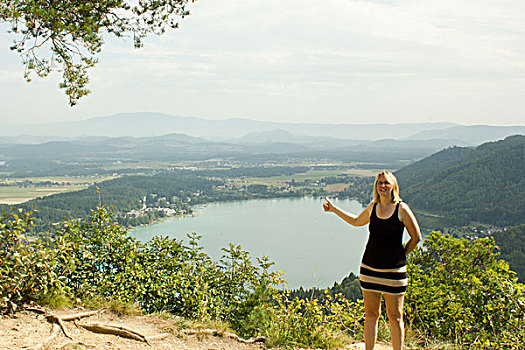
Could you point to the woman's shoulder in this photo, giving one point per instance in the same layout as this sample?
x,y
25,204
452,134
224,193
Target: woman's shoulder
x,y
404,208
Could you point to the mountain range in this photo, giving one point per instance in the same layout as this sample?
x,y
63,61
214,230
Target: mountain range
x,y
148,124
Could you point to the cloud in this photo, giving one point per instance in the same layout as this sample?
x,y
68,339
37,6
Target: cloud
x,y
448,60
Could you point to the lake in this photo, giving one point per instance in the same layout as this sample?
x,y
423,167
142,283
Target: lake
x,y
311,247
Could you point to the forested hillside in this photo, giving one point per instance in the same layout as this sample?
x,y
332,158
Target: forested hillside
x,y
140,199
484,184
349,288
512,245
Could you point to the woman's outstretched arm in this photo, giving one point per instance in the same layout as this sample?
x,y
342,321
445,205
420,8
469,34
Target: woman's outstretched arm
x,y
359,220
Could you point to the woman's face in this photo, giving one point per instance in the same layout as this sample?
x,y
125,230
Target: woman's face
x,y
384,187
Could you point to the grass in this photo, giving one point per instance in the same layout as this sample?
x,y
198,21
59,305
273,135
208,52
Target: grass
x,y
55,301
118,307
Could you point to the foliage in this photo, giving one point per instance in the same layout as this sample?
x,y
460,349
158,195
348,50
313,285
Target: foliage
x,y
30,269
308,323
72,32
96,259
460,291
163,274
512,245
105,257
349,288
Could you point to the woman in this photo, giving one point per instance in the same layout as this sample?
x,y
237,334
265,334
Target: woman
x,y
383,267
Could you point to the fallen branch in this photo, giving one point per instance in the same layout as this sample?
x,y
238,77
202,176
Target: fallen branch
x,y
217,333
116,330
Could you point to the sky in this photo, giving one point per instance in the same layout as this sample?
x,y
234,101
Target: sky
x,y
337,61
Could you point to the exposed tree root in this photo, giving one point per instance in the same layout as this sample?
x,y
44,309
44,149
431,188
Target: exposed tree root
x,y
217,333
115,330
81,315
93,327
158,336
55,319
121,330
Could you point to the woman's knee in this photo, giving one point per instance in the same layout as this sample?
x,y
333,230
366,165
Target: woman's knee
x,y
394,308
395,316
372,314
372,305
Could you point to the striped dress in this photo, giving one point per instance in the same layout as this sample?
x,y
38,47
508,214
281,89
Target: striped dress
x,y
383,268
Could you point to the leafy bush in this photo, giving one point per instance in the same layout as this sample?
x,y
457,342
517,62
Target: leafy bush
x,y
96,258
163,274
459,291
308,323
30,270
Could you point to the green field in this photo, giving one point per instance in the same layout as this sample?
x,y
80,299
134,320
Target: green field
x,y
141,165
86,179
312,175
17,195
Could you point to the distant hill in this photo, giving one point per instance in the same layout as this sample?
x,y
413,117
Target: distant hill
x,y
280,135
240,130
86,154
146,124
483,184
470,135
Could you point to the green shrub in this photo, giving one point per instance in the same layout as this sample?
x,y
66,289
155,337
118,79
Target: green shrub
x,y
459,291
163,274
30,270
306,323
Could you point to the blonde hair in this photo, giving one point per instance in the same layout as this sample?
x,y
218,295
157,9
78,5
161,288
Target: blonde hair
x,y
395,187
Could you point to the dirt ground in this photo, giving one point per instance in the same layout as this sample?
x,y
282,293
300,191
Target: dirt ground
x,y
30,330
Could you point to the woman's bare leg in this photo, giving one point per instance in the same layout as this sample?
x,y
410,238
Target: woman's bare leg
x,y
394,310
372,311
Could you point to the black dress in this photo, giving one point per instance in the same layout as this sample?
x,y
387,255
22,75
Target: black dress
x,y
383,268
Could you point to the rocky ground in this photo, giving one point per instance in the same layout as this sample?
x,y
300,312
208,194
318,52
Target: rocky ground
x,y
41,329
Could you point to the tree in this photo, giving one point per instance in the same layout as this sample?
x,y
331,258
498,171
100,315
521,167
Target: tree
x,y
67,35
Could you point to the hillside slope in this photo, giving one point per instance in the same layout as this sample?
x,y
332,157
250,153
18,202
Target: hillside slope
x,y
483,184
27,329
512,245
